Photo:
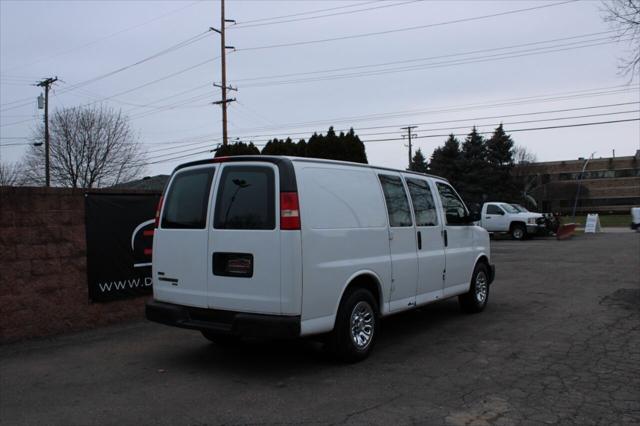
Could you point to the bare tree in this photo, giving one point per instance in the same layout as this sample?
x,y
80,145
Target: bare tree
x,y
521,155
524,173
624,17
10,174
90,147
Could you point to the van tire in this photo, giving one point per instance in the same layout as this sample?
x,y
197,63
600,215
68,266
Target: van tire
x,y
477,297
518,231
221,339
357,309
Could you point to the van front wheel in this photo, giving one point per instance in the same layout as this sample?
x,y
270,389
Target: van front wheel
x,y
356,327
477,297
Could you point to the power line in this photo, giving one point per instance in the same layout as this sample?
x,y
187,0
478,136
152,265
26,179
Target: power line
x,y
14,144
398,30
506,55
413,60
507,102
17,122
170,49
500,56
305,13
245,25
208,151
564,126
381,64
91,43
177,46
165,77
181,149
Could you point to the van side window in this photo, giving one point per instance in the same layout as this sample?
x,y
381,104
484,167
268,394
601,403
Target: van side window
x,y
396,198
187,200
454,208
493,209
246,198
423,205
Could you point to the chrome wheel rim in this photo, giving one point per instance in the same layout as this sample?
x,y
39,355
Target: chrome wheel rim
x,y
517,233
362,324
481,287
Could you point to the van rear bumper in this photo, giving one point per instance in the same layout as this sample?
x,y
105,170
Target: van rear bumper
x,y
223,322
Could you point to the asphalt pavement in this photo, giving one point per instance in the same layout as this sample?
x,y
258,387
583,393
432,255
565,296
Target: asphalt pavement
x,y
559,343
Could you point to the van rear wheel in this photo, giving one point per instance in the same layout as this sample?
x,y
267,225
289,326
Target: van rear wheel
x,y
356,327
477,297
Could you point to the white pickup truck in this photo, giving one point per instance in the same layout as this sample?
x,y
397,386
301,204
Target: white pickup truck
x,y
503,217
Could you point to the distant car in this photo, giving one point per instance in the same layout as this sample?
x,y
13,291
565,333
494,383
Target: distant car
x,y
504,218
635,218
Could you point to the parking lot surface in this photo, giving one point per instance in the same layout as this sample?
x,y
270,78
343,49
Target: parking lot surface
x,y
558,343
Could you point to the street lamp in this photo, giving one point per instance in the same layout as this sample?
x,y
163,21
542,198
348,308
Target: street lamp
x,y
575,204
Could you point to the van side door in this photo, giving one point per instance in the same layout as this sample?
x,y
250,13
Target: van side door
x,y
431,255
180,261
458,236
402,243
244,239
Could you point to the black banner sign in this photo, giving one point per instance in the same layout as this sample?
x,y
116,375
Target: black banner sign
x,y
119,239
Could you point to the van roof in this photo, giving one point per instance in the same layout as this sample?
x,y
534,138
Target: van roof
x,y
287,161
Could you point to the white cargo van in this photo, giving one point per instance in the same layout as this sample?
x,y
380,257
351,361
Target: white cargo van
x,y
287,247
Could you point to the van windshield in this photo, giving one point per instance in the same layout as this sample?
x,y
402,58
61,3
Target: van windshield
x,y
186,202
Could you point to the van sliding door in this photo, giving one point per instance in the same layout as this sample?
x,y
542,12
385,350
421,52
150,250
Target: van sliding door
x,y
402,243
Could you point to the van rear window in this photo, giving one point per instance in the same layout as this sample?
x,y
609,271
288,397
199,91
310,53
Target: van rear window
x,y
246,198
186,203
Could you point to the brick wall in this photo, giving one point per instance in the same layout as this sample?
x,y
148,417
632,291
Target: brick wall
x,y
43,267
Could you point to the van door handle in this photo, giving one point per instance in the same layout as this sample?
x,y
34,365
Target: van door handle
x,y
446,238
419,241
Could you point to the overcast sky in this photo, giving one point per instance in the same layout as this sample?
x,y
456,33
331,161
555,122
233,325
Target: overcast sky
x,y
556,63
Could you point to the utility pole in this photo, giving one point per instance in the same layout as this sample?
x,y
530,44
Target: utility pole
x,y
409,135
46,83
223,86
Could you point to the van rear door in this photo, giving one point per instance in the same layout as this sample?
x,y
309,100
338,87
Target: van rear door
x,y
244,241
180,260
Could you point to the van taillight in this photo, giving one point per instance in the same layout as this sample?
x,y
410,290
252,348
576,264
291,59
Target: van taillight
x,y
289,211
158,211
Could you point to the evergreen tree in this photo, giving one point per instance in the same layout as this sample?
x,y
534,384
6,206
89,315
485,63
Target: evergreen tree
x,y
418,162
474,169
499,149
500,158
345,147
281,147
445,160
238,148
355,150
